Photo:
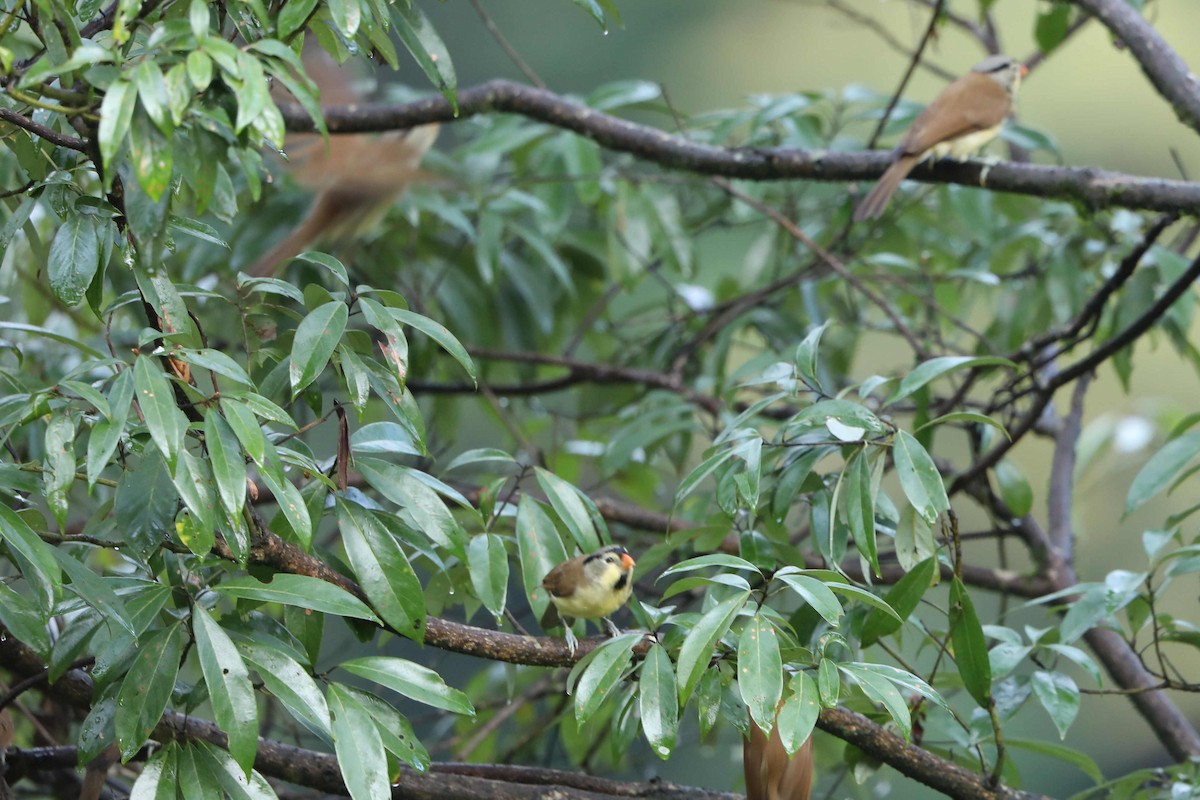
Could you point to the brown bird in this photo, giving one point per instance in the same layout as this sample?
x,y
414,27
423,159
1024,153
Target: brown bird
x,y
589,587
771,774
967,115
357,177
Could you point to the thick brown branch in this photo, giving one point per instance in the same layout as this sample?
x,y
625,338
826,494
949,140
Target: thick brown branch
x,y
915,762
1169,74
49,134
1092,187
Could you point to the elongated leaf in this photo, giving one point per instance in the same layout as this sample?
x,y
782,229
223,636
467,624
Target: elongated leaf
x,y
74,257
427,48
799,712
229,687
658,703
760,671
358,746
163,418
711,560
1162,469
936,367
970,646
411,680
919,477
95,591
147,687
903,598
571,509
291,683
422,505
1059,695
817,594
236,783
541,550
301,591
440,335
829,685
697,649
35,554
859,500
605,668
228,463
316,337
883,692
1060,752
487,561
382,570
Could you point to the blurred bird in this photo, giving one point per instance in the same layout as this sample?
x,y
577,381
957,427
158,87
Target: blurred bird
x,y
771,774
967,115
589,587
357,177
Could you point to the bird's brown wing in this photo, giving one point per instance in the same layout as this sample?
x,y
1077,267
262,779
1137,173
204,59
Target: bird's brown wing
x,y
972,103
563,579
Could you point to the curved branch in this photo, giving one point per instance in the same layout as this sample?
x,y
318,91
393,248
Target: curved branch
x,y
1094,188
1169,74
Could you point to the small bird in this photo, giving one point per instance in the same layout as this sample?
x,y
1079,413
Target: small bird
x,y
771,774
589,587
967,115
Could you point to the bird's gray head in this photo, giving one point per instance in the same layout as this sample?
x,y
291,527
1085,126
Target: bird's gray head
x,y
608,561
1004,70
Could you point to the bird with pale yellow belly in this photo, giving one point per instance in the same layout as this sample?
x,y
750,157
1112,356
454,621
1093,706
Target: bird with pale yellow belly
x,y
967,115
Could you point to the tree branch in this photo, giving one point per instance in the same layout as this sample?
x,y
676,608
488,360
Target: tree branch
x,y
1094,188
1169,74
49,134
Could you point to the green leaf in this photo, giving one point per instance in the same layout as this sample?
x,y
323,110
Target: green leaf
x,y
1060,752
293,15
159,780
152,155
711,560
569,504
147,687
291,684
440,335
422,508
165,421
903,598
829,685
74,257
658,704
116,113
145,504
382,569
95,591
1052,26
236,783
195,486
760,670
358,746
33,555
1014,488
394,729
228,463
881,690
25,620
301,591
487,561
859,498
427,48
411,680
603,669
195,783
1162,468
218,362
936,367
1059,695
152,91
970,646
316,337
697,649
541,550
817,594
229,687
799,712
919,477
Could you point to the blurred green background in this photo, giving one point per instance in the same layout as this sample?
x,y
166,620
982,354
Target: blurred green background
x,y
1089,96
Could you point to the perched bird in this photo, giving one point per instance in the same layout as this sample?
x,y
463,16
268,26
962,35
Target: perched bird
x,y
590,587
967,115
771,774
